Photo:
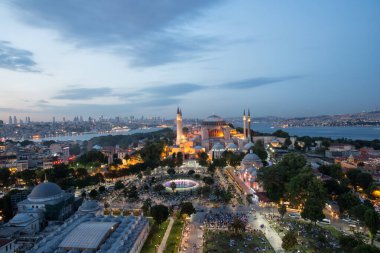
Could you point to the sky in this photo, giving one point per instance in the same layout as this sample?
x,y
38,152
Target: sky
x,y
124,57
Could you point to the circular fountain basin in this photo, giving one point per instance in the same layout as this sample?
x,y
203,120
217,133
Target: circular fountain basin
x,y
181,184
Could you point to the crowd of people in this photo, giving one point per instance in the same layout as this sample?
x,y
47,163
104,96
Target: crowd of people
x,y
222,220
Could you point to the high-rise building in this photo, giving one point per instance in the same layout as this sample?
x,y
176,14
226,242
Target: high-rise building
x,y
14,120
10,120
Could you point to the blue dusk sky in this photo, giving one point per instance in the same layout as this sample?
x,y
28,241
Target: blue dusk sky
x,y
126,57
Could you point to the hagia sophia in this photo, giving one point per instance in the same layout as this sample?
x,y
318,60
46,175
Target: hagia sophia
x,y
213,136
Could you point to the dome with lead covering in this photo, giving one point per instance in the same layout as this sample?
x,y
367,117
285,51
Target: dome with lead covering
x,y
251,157
45,191
214,120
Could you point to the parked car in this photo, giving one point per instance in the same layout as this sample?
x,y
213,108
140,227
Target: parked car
x,y
324,221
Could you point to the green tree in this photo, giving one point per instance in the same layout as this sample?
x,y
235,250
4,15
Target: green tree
x,y
334,171
159,188
119,185
102,189
208,180
260,151
93,194
282,210
179,160
289,241
160,213
238,225
280,133
347,200
202,159
349,243
131,193
173,186
171,171
147,204
371,219
364,180
358,212
187,208
313,209
5,176
365,248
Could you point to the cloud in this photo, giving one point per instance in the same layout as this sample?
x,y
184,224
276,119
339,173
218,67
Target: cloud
x,y
255,82
148,32
164,101
16,59
173,89
83,93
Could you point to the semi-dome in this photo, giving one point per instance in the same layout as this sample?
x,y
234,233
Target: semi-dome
x,y
20,218
45,191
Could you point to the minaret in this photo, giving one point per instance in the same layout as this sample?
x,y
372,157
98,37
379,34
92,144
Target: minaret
x,y
249,126
179,126
244,125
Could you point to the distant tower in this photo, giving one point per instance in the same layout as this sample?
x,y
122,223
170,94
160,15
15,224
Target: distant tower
x,y
14,120
10,120
244,125
179,126
249,126
53,120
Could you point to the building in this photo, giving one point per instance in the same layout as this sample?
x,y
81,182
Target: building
x,y
7,246
86,231
213,136
46,202
251,160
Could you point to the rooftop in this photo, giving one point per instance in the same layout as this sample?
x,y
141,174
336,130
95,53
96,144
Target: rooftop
x,y
88,235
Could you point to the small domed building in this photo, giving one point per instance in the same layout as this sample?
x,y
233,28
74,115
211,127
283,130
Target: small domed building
x,y
46,202
251,160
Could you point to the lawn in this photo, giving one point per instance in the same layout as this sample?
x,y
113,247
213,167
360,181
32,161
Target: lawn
x,y
311,238
154,238
227,242
174,239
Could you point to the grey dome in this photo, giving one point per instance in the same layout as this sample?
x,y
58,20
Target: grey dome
x,y
44,191
248,146
231,146
218,147
214,120
89,206
251,157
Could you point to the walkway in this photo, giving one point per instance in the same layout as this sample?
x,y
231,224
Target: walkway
x,y
162,246
271,235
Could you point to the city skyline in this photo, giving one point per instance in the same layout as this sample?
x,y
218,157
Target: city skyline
x,y
288,58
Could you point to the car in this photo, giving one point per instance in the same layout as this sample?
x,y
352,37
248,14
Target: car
x,y
294,215
324,221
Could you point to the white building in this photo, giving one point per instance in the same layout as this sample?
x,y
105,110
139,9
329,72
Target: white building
x,y
88,232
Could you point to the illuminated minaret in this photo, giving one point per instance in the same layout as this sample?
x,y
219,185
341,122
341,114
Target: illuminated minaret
x,y
249,126
179,126
244,125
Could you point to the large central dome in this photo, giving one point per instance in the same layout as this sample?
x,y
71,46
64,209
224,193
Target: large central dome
x,y
45,191
214,120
